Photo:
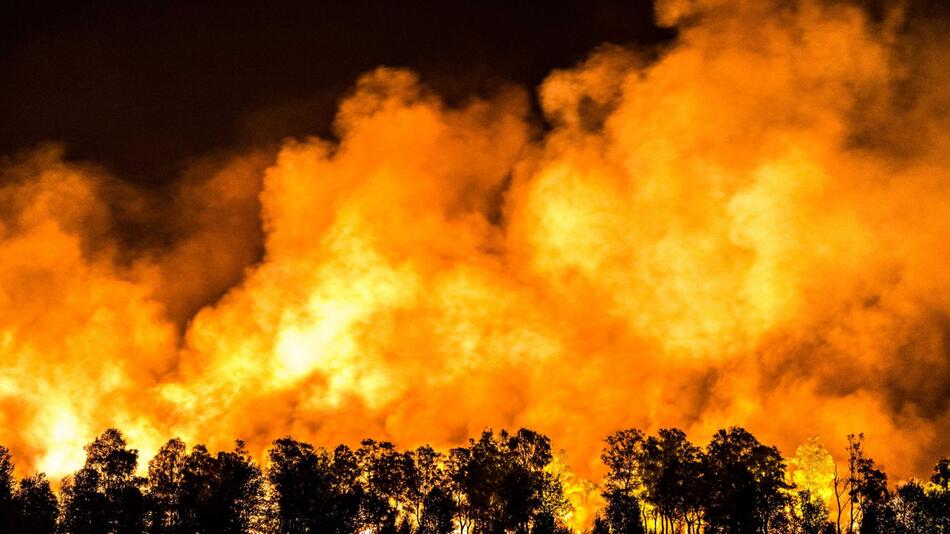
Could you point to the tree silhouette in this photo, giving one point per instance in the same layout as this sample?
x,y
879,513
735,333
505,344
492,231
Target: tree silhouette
x,y
938,496
870,505
29,507
621,456
240,493
427,491
623,482
911,510
547,523
600,525
105,496
503,483
500,483
165,474
811,514
315,490
7,504
622,514
85,507
386,473
554,505
197,499
478,473
459,478
941,474
438,512
855,457
36,506
749,490
214,493
671,470
535,494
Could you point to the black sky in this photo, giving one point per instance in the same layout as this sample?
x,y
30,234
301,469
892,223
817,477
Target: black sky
x,y
141,87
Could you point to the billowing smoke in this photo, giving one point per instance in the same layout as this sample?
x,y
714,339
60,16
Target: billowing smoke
x,y
750,228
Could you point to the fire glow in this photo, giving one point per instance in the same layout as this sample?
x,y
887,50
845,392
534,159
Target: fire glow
x,y
750,229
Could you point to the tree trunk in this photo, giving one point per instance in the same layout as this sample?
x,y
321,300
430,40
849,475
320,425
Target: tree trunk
x,y
838,495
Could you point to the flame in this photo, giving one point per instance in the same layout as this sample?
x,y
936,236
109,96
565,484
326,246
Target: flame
x,y
750,229
813,469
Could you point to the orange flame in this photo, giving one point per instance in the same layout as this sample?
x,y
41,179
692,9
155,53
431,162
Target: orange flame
x,y
749,230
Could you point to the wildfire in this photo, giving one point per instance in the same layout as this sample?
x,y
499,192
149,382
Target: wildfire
x,y
750,229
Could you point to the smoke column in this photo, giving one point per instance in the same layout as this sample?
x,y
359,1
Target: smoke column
x,y
749,229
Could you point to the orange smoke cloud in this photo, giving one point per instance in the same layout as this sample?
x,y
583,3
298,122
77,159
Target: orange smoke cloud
x,y
749,230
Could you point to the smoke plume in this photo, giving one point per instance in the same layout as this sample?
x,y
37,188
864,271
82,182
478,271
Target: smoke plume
x,y
748,228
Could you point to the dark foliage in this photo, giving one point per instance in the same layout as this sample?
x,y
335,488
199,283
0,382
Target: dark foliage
x,y
317,491
748,492
202,493
499,483
27,508
503,485
105,495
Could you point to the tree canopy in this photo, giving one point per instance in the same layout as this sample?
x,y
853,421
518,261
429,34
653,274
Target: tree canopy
x,y
497,483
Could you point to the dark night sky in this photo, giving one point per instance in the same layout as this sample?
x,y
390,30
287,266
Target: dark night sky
x,y
141,87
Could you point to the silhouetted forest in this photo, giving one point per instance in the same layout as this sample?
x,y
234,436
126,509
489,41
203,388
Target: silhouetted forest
x,y
500,483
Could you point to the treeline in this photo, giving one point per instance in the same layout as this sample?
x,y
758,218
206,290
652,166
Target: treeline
x,y
499,483
665,484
